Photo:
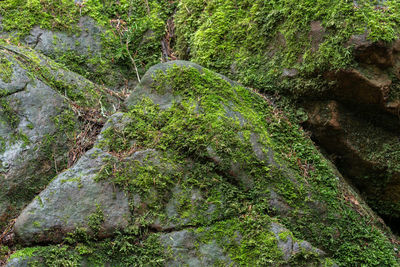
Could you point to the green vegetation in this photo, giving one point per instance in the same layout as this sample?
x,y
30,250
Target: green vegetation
x,y
205,142
123,250
287,48
6,70
206,99
4,251
132,31
248,241
96,219
8,114
22,16
255,41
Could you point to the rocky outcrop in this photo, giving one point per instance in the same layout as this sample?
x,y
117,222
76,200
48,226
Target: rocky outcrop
x,y
196,169
200,171
338,56
81,51
375,82
359,123
39,100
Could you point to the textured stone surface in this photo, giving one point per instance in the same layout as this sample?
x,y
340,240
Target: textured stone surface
x,y
186,251
29,107
364,150
69,200
37,122
87,42
208,206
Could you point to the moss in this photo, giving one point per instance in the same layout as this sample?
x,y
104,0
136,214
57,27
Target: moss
x,y
4,252
39,199
96,219
81,92
6,70
123,250
318,210
247,241
284,235
214,113
26,252
23,15
138,35
66,122
9,115
255,41
36,224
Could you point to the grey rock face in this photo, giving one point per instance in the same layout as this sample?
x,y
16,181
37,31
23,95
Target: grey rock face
x,y
289,246
28,109
23,262
49,42
19,78
69,200
36,123
186,250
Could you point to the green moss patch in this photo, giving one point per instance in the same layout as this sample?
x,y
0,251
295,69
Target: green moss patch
x,y
208,114
132,31
257,41
6,69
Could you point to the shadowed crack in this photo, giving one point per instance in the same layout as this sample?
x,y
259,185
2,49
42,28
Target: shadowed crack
x,y
23,88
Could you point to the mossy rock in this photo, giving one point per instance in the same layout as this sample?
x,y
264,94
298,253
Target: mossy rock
x,y
342,51
39,102
197,152
111,43
231,242
286,47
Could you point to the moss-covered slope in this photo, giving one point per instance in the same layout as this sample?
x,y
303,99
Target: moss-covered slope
x,y
343,51
204,160
261,43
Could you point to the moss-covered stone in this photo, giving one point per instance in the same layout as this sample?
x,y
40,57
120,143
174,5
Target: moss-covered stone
x,y
343,51
196,150
6,69
107,42
43,109
261,43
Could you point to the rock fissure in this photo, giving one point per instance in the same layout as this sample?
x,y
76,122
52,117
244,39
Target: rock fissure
x,y
6,94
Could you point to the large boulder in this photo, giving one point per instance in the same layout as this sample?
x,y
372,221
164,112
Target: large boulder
x,y
308,53
69,200
201,171
38,106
